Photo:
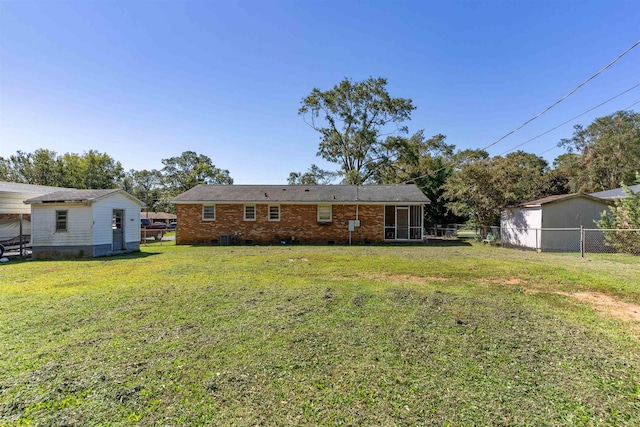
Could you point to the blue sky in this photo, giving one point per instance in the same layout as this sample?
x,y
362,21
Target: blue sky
x,y
147,80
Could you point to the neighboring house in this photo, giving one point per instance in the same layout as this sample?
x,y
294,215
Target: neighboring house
x,y
159,217
314,214
536,224
84,223
616,193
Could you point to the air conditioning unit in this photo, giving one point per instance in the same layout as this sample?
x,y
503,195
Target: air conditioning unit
x,y
225,239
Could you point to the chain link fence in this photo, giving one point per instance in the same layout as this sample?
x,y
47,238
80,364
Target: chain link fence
x,y
573,240
612,241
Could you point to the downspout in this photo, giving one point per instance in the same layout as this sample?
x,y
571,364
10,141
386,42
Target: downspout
x,y
356,202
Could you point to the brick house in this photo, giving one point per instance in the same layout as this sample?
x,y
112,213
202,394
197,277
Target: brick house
x,y
313,214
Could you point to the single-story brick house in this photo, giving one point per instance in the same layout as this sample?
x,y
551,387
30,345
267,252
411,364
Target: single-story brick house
x,y
314,214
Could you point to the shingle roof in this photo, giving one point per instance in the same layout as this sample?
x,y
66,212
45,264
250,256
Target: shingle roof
x,y
616,193
303,194
66,196
557,198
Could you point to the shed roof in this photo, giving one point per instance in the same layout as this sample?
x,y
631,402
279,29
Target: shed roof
x,y
303,194
78,196
616,193
557,198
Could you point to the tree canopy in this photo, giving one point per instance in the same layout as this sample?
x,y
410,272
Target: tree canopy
x,y
481,186
355,121
604,153
92,169
313,176
190,169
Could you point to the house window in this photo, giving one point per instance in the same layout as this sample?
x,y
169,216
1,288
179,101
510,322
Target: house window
x,y
324,213
61,221
249,212
274,213
209,212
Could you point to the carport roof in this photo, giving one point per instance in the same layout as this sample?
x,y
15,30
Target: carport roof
x,y
408,193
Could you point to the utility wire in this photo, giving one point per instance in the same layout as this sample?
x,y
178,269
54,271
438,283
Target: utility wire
x,y
544,133
564,97
570,120
556,146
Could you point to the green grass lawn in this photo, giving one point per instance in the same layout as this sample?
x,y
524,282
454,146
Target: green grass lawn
x,y
295,335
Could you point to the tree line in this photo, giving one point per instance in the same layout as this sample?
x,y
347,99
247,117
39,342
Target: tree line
x,y
363,131
95,170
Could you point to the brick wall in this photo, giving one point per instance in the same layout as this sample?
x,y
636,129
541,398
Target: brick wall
x,y
297,221
26,217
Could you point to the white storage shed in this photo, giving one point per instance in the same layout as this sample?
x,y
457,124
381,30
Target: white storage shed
x,y
550,224
84,223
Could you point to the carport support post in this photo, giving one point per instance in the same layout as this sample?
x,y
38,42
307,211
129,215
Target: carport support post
x,y
582,241
21,242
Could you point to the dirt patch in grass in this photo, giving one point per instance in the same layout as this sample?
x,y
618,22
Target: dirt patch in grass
x,y
512,281
413,278
600,302
609,305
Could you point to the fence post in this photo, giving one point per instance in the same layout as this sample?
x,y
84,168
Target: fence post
x,y
582,241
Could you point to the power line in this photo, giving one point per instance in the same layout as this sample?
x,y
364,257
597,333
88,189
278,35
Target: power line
x,y
544,133
624,109
564,97
572,119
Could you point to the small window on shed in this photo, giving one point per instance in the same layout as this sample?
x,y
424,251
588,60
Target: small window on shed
x,y
61,221
209,212
324,213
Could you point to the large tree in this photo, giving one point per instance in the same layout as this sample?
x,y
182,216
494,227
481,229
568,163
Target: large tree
x,y
39,167
355,121
190,169
428,162
92,169
313,176
480,187
604,153
147,186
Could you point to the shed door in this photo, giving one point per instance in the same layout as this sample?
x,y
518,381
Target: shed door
x,y
117,224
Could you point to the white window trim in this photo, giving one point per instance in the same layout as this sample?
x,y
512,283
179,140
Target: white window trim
x,y
255,212
330,213
214,213
269,213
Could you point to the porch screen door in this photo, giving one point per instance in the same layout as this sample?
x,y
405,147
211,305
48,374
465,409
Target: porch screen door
x,y
402,223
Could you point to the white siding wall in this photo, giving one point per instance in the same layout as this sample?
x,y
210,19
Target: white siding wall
x,y
520,227
43,225
102,217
